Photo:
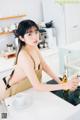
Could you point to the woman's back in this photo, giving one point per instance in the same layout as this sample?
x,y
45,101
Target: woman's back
x,y
19,80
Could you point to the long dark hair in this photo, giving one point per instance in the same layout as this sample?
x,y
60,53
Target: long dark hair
x,y
23,27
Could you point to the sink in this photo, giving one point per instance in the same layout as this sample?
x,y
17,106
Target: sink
x,y
71,97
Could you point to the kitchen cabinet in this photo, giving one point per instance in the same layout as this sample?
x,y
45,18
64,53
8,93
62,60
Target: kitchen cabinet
x,y
72,21
70,59
66,17
52,59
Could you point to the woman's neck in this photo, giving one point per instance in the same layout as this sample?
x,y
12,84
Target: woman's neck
x,y
30,48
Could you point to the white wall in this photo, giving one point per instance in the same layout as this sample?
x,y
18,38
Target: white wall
x,y
32,8
54,11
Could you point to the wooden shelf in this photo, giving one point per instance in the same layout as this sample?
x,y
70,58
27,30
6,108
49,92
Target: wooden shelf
x,y
8,54
12,17
8,18
6,33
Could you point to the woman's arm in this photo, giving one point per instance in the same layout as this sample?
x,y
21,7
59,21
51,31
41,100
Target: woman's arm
x,y
28,69
46,68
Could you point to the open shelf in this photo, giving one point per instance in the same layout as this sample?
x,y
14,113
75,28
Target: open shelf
x,y
6,33
8,18
12,17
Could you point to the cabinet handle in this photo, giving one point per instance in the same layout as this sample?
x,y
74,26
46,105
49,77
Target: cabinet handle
x,y
75,26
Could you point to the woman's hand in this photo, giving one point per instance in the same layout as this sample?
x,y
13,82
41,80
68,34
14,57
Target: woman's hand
x,y
72,84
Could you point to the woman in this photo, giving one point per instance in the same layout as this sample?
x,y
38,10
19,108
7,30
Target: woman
x,y
29,65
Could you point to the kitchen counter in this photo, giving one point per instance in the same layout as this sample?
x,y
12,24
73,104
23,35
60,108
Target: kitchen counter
x,y
45,106
6,66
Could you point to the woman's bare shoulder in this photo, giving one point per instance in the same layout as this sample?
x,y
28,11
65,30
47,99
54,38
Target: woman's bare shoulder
x,y
37,50
24,56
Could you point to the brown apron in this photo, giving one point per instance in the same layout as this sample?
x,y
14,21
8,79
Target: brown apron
x,y
23,84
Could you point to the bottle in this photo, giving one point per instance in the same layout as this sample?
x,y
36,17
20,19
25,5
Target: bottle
x,y
66,92
64,79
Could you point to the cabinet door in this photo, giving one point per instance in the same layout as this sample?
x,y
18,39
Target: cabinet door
x,y
53,61
72,22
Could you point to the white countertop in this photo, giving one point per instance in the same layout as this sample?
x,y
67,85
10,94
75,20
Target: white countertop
x,y
45,106
6,64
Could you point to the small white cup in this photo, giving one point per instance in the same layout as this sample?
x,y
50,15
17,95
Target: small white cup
x,y
22,101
